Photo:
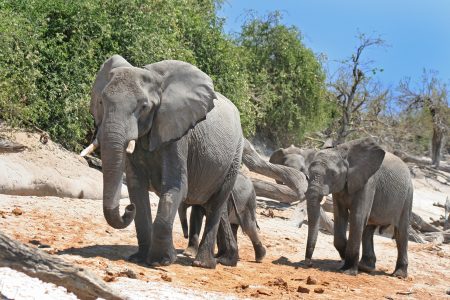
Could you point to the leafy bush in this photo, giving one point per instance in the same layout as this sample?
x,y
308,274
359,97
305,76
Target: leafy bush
x,y
51,52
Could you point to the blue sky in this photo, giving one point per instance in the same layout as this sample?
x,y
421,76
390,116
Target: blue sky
x,y
417,31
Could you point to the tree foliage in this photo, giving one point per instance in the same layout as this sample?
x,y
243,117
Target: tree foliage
x,y
51,52
286,78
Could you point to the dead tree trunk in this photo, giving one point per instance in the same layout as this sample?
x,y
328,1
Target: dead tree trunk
x,y
274,191
447,215
420,161
293,178
36,263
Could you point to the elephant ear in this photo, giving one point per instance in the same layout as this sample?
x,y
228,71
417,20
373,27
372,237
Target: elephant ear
x,y
187,95
364,158
277,157
101,81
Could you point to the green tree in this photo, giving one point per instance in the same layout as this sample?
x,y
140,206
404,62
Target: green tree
x,y
51,52
287,82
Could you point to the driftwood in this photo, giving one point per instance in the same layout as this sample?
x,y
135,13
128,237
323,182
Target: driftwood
x,y
36,263
274,191
437,237
420,161
326,224
293,178
419,224
8,146
447,215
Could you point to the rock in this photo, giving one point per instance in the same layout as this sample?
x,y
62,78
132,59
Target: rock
x,y
166,277
303,290
319,290
441,179
418,173
17,211
109,278
310,280
128,273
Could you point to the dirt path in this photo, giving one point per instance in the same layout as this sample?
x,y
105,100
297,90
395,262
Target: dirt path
x,y
76,230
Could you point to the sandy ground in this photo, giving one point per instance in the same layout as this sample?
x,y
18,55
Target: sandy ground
x,y
75,230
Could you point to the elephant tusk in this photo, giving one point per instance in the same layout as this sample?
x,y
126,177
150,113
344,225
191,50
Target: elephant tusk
x,y
88,150
131,145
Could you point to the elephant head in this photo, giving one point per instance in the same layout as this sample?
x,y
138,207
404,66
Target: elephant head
x,y
156,104
347,168
293,157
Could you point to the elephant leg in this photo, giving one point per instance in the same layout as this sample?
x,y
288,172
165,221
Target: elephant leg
x,y
137,183
401,238
173,192
195,221
368,259
340,227
183,219
358,219
215,208
251,229
227,253
235,228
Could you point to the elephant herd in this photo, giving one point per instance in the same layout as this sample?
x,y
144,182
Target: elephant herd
x,y
166,127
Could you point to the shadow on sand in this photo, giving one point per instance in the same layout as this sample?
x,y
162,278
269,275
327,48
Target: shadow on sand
x,y
326,265
117,252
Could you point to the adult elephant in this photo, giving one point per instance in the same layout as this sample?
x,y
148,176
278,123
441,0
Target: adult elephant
x,y
293,157
174,135
370,188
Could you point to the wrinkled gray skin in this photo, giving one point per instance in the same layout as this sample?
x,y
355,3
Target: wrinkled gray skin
x,y
188,149
370,188
293,157
244,198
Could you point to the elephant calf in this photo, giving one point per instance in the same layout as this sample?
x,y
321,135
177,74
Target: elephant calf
x,y
241,212
370,188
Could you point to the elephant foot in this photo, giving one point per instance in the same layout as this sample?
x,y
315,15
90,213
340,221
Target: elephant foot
x,y
308,262
352,272
190,251
211,264
228,260
159,258
260,253
137,257
366,265
400,273
349,269
140,256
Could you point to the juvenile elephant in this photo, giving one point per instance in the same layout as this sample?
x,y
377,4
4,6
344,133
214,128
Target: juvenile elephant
x,y
241,212
174,135
370,188
293,157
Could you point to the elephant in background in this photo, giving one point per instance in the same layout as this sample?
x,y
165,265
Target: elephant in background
x,y
241,212
173,134
293,157
371,188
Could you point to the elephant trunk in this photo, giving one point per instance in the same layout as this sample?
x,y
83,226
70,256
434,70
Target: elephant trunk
x,y
113,151
313,209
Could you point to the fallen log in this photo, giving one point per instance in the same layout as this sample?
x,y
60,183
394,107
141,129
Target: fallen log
x,y
293,178
326,224
415,236
8,146
419,224
447,214
442,237
41,265
420,161
274,191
